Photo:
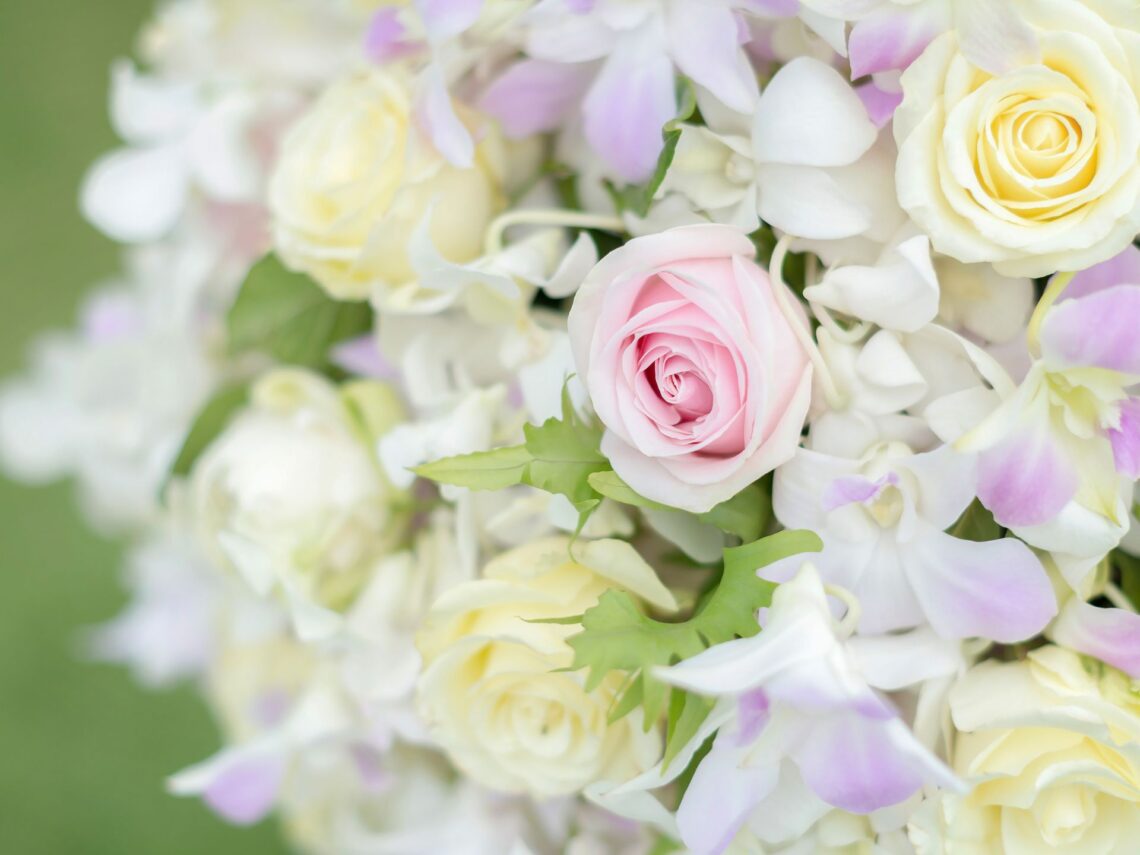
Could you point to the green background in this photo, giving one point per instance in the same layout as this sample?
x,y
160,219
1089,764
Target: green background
x,y
83,751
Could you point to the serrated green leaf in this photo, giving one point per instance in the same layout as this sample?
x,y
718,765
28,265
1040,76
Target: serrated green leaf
x,y
609,484
210,421
480,470
564,454
617,636
977,524
290,317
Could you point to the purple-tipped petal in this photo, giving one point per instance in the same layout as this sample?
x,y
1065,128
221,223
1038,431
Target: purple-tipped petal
x,y
244,792
858,764
626,108
1110,635
1126,440
1123,269
879,103
720,797
997,589
384,39
854,488
1027,479
534,96
1096,330
889,41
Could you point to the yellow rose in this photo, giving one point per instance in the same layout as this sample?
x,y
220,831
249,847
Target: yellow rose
x,y
1036,169
355,178
1052,748
491,692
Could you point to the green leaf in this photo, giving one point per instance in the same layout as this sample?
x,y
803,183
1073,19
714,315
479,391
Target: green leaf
x,y
290,317
977,524
617,636
210,421
481,470
637,198
745,515
565,453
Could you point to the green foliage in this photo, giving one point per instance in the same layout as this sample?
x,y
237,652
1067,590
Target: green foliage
x,y
290,317
210,421
636,198
617,636
559,456
977,524
745,515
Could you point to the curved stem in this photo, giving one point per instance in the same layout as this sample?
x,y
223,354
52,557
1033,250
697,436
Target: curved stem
x,y
847,336
1054,290
493,242
835,398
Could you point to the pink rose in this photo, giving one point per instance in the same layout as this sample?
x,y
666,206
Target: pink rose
x,y
691,366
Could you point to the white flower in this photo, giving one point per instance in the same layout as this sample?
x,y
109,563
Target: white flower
x,y
291,497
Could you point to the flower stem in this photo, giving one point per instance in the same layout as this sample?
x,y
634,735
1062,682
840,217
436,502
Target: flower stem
x,y
547,217
1053,291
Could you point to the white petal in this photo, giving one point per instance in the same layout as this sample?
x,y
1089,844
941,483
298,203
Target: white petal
x,y
810,116
136,195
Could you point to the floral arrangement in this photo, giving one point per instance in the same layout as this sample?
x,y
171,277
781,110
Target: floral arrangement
x,y
637,426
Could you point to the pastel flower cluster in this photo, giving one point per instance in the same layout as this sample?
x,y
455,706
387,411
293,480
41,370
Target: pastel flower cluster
x,y
598,426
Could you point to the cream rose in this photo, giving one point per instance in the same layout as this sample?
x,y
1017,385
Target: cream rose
x,y
1052,747
491,692
292,499
355,178
1036,169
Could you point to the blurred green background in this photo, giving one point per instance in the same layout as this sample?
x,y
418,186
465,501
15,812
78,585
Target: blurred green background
x,y
83,751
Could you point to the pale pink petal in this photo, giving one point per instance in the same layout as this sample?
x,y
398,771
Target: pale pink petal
x,y
879,103
244,791
1110,635
1096,330
534,96
889,41
1026,479
626,108
385,38
1123,269
1126,440
997,589
705,45
855,488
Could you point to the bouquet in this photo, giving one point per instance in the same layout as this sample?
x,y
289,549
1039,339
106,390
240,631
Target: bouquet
x,y
625,426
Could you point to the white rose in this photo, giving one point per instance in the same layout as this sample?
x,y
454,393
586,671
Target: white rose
x,y
355,178
492,693
1036,169
291,497
1052,747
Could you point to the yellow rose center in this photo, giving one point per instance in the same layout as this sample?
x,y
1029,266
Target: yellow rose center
x,y
1065,813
